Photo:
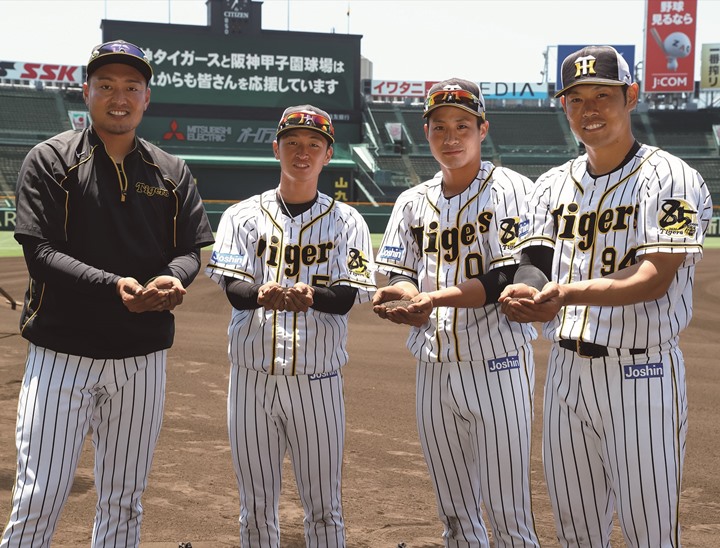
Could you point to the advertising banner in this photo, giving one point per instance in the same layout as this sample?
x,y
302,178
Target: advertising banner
x,y
267,70
490,90
79,119
710,67
670,46
43,72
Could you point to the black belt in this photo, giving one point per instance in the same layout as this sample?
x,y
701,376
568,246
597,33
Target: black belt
x,y
592,350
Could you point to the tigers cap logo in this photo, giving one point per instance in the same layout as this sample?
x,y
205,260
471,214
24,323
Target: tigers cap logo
x,y
594,65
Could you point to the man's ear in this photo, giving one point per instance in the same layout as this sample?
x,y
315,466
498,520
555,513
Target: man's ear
x,y
328,155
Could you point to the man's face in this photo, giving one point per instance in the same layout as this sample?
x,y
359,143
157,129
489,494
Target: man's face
x,y
116,96
599,115
454,137
302,154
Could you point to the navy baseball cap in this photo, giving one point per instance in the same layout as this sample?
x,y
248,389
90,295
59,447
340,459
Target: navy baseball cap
x,y
455,92
120,51
306,117
594,65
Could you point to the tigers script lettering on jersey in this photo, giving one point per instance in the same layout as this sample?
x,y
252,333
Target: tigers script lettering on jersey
x,y
611,220
444,241
327,245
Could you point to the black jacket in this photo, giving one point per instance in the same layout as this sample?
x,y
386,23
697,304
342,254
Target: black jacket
x,y
96,222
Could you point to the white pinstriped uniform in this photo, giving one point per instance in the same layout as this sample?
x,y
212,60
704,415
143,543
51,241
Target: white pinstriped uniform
x,y
286,389
615,427
475,375
51,449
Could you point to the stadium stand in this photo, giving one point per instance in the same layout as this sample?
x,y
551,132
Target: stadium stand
x,y
684,131
709,168
641,128
395,164
529,140
380,117
528,131
73,100
11,158
424,166
32,113
531,171
413,121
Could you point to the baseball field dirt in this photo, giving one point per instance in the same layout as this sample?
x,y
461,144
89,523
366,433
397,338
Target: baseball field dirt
x,y
388,500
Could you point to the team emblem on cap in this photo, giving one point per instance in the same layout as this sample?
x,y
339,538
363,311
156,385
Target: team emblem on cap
x,y
585,66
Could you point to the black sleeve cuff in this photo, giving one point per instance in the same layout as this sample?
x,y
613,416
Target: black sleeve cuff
x,y
337,299
241,294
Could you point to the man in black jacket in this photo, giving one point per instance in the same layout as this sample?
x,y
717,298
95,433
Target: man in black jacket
x,y
111,228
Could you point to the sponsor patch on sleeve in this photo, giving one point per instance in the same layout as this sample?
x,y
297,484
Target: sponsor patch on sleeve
x,y
503,364
391,253
225,258
523,228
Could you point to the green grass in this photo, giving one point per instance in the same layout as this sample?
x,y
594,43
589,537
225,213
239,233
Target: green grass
x,y
8,246
376,239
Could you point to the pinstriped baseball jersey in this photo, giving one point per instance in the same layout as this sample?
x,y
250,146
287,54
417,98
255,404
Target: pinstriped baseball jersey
x,y
327,245
444,241
597,225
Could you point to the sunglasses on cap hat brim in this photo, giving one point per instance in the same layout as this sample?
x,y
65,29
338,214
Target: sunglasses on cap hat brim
x,y
457,98
119,51
307,120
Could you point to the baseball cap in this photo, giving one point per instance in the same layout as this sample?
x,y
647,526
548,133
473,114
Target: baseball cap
x,y
119,51
594,65
455,92
306,117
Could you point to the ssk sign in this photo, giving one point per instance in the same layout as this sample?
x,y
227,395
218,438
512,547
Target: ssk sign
x,y
45,72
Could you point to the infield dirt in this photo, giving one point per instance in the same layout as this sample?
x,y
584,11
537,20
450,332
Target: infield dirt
x,y
192,496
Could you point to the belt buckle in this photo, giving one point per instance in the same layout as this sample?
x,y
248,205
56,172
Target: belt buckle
x,y
578,346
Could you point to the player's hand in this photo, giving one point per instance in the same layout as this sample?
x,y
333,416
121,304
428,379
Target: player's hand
x,y
515,301
421,303
170,289
137,298
299,297
549,301
271,296
386,294
517,291
524,304
405,316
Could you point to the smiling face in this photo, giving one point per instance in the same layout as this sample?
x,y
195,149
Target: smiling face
x,y
116,95
302,154
599,116
455,140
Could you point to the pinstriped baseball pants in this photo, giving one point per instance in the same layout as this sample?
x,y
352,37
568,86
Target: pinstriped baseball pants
x,y
269,415
61,398
614,434
474,423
